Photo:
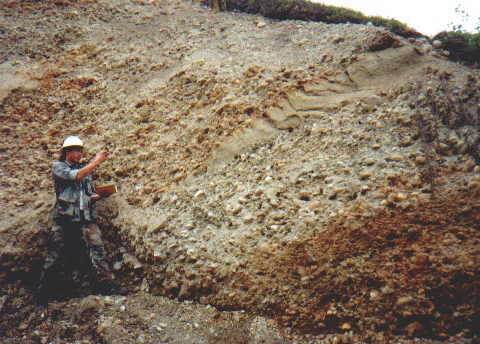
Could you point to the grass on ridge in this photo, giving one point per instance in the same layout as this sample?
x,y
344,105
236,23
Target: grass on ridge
x,y
306,10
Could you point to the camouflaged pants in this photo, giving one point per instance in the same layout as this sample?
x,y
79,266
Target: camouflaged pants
x,y
217,5
69,242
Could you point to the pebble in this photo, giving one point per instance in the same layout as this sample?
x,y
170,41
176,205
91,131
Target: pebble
x,y
404,300
314,205
437,44
414,329
469,165
199,194
242,200
420,160
364,189
395,198
426,48
374,295
394,157
474,185
365,175
234,209
248,219
304,195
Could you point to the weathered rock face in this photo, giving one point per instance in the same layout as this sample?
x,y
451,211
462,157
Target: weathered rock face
x,y
275,168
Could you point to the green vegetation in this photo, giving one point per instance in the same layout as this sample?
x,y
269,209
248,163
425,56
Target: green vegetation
x,y
463,46
306,10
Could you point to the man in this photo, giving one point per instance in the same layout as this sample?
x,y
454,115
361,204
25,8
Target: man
x,y
74,227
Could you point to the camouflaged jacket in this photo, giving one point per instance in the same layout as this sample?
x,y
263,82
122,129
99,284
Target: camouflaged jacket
x,y
72,197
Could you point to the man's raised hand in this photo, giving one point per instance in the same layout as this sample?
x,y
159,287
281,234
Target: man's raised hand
x,y
101,157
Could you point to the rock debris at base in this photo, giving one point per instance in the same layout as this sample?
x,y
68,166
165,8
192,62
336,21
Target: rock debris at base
x,y
324,179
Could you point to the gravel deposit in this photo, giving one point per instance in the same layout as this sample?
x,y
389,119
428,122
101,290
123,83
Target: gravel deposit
x,y
313,182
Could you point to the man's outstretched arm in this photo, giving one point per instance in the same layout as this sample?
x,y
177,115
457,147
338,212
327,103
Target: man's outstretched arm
x,y
91,166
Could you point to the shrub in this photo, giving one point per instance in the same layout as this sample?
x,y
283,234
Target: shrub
x,y
462,46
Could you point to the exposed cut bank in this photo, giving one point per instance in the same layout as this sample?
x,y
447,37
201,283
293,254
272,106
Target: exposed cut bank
x,y
325,176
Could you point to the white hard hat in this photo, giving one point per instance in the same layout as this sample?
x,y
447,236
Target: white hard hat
x,y
72,141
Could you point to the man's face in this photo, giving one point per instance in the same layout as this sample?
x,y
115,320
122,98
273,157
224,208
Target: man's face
x,y
74,154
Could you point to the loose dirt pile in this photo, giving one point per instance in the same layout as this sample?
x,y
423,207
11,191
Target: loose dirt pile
x,y
324,176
